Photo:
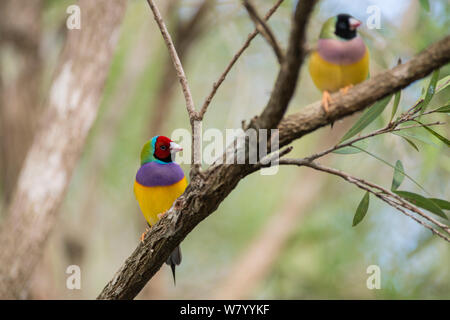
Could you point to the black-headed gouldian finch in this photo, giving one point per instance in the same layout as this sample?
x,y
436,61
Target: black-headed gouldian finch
x,y
341,59
159,182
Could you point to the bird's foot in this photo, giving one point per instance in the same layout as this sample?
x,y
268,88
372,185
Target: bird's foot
x,y
143,234
326,99
345,89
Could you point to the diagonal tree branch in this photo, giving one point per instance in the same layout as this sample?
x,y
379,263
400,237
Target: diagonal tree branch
x,y
264,30
287,77
383,194
204,194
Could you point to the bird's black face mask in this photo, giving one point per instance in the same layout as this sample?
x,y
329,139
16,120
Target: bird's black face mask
x,y
343,28
166,159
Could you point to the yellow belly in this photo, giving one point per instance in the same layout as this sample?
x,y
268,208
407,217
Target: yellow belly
x,y
331,77
158,199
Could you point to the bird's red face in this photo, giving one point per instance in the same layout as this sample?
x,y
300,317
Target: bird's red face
x,y
164,148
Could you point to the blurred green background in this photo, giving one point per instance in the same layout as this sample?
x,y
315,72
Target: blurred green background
x,y
317,254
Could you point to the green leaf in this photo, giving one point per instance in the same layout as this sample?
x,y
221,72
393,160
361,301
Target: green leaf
x,y
408,135
443,83
367,117
430,91
390,165
361,210
434,133
444,109
398,175
351,149
397,97
421,202
412,144
443,204
425,5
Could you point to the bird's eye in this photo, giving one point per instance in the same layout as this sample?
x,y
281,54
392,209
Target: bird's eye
x,y
163,148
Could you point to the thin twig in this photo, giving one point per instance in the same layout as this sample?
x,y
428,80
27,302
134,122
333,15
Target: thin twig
x,y
369,186
238,54
274,157
264,29
366,136
193,115
185,35
399,208
175,59
413,109
410,115
348,177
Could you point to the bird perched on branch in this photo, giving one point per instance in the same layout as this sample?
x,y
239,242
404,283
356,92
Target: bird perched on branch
x,y
159,182
341,59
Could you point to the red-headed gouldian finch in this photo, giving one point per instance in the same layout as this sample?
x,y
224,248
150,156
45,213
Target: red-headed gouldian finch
x,y
159,182
341,59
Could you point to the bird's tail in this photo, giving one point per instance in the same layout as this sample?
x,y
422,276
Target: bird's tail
x,y
174,260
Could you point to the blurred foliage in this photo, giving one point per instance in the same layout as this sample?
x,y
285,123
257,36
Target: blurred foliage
x,y
325,257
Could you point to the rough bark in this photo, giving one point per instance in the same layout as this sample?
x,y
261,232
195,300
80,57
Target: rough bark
x,y
286,82
72,106
207,191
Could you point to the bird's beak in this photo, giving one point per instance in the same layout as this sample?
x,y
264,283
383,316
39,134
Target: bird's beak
x,y
354,23
175,147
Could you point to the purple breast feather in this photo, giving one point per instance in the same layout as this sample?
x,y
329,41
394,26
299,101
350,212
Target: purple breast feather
x,y
153,174
340,51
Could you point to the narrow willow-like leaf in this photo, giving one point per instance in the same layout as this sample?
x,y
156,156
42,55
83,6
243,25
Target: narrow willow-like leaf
x,y
367,117
444,109
437,135
398,175
361,210
397,97
425,5
443,83
423,139
421,202
351,149
430,91
412,144
443,204
390,165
